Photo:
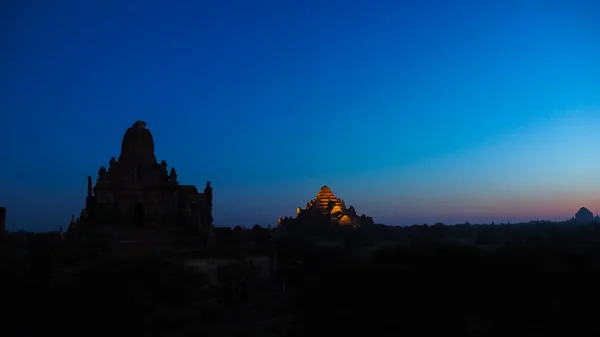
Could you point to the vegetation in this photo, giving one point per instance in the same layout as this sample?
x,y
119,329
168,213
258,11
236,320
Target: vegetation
x,y
471,280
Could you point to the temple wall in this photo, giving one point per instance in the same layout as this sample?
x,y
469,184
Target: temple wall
x,y
105,214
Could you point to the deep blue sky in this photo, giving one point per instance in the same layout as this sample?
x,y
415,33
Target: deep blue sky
x,y
412,111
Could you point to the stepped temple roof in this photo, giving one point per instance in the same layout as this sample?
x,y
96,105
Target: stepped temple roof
x,y
327,206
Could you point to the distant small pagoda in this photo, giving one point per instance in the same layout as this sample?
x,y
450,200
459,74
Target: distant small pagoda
x,y
327,208
584,215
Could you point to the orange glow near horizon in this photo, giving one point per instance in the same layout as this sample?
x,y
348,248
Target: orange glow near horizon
x,y
556,208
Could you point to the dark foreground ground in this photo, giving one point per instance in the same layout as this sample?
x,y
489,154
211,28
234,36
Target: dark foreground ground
x,y
449,291
422,288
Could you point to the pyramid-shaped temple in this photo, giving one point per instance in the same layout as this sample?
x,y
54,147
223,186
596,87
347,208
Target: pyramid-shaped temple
x,y
329,207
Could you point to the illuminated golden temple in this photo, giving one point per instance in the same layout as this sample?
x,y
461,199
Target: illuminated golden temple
x,y
326,206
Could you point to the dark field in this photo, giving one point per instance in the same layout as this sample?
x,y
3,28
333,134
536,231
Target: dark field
x,y
536,280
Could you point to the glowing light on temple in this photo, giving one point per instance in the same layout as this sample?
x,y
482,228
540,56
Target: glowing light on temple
x,y
327,206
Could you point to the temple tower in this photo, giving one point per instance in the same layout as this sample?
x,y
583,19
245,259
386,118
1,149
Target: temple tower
x,y
137,192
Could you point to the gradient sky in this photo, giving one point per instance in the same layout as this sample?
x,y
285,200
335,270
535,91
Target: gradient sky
x,y
412,111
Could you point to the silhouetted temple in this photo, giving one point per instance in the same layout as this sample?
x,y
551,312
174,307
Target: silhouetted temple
x,y
584,215
138,192
2,219
326,207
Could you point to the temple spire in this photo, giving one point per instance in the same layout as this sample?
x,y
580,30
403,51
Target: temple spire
x,y
173,176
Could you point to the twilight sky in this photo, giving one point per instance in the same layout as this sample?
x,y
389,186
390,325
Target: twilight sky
x,y
412,111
